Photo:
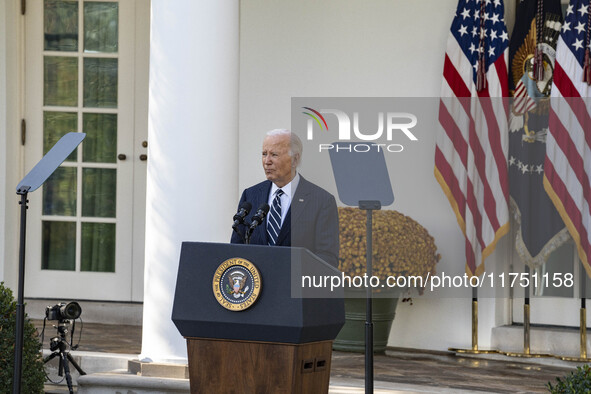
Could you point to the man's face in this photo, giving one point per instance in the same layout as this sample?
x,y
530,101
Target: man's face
x,y
277,162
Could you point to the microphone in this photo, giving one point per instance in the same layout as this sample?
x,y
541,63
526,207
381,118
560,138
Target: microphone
x,y
259,217
243,210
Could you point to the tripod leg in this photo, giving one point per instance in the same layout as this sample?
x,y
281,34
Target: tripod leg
x,y
75,364
67,370
50,357
60,368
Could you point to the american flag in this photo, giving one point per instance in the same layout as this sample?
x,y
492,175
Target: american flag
x,y
567,166
471,151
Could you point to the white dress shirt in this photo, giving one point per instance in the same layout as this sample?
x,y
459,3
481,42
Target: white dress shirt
x,y
288,192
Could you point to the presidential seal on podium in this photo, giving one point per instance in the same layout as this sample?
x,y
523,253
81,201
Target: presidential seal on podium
x,y
236,284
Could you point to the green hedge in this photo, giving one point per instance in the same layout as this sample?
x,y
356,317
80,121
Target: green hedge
x,y
33,376
578,382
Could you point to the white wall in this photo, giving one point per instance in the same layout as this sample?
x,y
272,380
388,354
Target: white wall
x,y
333,48
351,48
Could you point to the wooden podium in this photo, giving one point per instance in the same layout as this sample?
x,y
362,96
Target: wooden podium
x,y
279,343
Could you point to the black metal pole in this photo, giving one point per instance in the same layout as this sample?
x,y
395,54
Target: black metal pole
x,y
369,311
20,304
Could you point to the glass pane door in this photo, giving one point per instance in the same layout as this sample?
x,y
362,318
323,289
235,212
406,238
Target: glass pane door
x,y
81,63
80,199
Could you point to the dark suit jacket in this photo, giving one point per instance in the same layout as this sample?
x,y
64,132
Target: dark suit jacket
x,y
311,222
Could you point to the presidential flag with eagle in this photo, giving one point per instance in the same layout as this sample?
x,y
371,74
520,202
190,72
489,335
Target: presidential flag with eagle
x,y
532,52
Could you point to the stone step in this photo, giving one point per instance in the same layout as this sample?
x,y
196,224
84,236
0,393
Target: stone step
x,y
124,381
89,362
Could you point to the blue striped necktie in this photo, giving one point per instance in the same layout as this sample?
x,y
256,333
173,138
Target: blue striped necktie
x,y
274,218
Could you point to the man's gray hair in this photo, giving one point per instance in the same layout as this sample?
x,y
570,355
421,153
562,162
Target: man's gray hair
x,y
296,148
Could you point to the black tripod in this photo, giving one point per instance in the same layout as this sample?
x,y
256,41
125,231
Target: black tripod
x,y
59,346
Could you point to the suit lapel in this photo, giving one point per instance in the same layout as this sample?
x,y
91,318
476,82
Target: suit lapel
x,y
262,198
284,233
298,204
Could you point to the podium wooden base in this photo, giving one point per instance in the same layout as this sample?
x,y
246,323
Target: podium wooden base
x,y
226,366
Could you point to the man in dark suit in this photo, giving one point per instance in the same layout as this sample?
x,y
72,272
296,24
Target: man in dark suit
x,y
301,213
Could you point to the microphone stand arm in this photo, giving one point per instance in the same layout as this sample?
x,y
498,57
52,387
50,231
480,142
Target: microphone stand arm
x,y
254,224
248,233
237,230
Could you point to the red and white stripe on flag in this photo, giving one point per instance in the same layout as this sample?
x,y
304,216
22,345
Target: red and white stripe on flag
x,y
567,166
472,143
522,102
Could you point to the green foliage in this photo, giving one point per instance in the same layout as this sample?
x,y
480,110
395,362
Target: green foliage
x,y
576,382
33,375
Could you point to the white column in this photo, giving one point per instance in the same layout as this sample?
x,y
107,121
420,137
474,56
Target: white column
x,y
192,159
3,134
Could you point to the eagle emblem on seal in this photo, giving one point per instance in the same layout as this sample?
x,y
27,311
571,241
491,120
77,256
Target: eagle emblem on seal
x,y
237,282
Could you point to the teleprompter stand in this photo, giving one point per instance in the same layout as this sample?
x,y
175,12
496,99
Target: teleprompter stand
x,y
369,206
31,182
369,193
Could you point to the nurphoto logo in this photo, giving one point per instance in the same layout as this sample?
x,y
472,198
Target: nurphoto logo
x,y
389,125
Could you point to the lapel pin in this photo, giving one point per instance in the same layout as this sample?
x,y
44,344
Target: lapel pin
x,y
301,200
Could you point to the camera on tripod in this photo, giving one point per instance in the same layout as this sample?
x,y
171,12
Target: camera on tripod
x,y
65,314
63,311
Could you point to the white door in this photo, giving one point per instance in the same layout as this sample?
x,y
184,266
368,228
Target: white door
x,y
86,71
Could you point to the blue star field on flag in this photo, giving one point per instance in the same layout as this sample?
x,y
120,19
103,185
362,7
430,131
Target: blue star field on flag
x,y
491,40
574,29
